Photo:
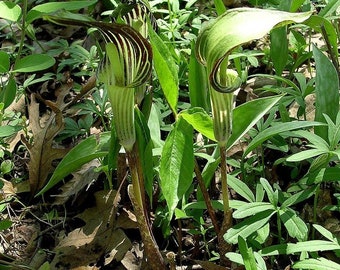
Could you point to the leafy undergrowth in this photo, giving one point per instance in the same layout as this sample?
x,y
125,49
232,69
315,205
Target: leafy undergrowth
x,y
65,201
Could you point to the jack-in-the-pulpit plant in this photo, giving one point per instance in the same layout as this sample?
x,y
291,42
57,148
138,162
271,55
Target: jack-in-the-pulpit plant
x,y
214,44
124,72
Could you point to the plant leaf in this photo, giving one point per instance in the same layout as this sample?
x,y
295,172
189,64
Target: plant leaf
x,y
41,149
38,11
324,26
10,11
305,155
34,62
308,246
241,188
177,164
276,129
326,91
252,208
145,146
200,120
247,115
316,264
326,233
198,84
166,70
89,149
4,59
279,48
295,226
8,93
247,254
6,131
330,8
248,226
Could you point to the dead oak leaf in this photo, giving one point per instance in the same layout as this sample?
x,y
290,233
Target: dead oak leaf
x,y
98,239
44,129
81,178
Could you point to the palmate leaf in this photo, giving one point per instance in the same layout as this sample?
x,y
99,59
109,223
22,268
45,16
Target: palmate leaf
x,y
234,28
133,52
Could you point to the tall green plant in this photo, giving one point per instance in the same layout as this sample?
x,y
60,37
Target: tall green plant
x,y
232,30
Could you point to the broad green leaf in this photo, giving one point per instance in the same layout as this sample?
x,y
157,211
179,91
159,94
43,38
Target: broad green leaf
x,y
279,48
247,115
241,188
6,131
326,90
303,155
295,5
45,266
89,149
316,264
314,139
326,233
218,205
235,257
247,254
262,234
5,224
51,7
333,131
271,194
4,60
166,70
198,83
325,27
248,226
308,246
34,62
8,93
10,11
252,208
234,28
299,197
295,226
200,120
177,164
145,146
220,7
154,127
276,129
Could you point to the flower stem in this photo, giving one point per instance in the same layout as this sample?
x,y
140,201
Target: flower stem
x,y
137,197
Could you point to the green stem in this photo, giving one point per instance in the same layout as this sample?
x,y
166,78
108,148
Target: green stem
x,y
224,180
23,31
315,205
279,228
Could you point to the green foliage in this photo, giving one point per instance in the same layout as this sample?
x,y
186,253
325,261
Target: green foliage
x,y
177,164
166,70
176,135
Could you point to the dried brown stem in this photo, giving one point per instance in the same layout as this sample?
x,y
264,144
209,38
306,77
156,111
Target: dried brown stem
x,y
206,197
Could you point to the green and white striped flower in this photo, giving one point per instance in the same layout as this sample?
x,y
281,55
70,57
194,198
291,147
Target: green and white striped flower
x,y
127,65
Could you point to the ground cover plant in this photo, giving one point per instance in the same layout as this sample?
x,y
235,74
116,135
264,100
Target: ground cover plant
x,y
169,134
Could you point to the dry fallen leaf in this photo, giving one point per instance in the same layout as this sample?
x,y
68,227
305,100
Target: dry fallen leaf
x,y
44,129
98,242
81,178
